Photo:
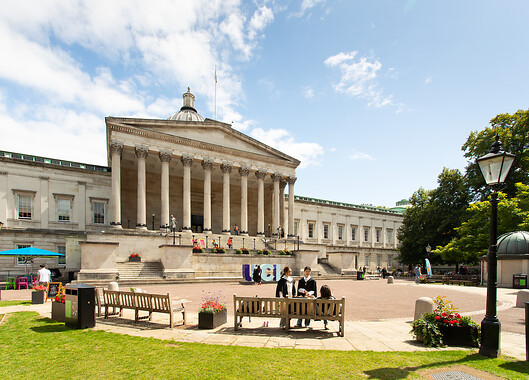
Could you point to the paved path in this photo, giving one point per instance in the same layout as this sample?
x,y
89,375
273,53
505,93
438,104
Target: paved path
x,y
378,317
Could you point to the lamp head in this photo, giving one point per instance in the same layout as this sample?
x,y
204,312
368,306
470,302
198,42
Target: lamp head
x,y
495,165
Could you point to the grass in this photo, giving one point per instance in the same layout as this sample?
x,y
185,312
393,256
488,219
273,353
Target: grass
x,y
30,345
14,303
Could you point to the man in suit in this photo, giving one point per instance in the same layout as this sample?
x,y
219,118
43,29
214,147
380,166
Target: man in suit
x,y
306,288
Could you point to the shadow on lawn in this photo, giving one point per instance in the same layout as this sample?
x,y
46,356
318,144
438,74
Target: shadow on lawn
x,y
403,373
50,326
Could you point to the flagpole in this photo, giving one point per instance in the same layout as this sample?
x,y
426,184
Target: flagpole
x,y
215,92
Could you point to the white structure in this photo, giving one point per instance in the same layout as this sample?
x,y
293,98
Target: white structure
x,y
207,175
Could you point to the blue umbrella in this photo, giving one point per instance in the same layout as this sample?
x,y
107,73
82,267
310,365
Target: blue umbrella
x,y
29,253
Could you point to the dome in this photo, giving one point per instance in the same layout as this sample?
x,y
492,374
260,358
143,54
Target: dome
x,y
514,243
188,111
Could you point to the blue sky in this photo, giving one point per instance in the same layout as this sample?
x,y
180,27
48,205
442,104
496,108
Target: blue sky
x,y
374,97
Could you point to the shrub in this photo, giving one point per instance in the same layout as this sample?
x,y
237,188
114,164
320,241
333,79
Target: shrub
x,y
285,252
219,250
264,252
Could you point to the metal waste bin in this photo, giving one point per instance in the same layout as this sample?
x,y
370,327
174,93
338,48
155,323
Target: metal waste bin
x,y
79,309
519,281
360,275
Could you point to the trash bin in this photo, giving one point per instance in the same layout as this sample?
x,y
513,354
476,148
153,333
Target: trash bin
x,y
79,311
519,281
360,275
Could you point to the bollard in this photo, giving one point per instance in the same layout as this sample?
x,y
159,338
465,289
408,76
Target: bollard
x,y
527,331
423,305
113,286
522,297
390,279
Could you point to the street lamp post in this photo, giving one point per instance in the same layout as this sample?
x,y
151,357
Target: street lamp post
x,y
153,215
495,167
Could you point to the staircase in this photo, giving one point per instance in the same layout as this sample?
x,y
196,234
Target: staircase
x,y
328,272
143,271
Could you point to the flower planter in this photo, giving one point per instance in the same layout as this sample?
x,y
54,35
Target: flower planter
x,y
38,296
460,336
135,259
57,311
212,320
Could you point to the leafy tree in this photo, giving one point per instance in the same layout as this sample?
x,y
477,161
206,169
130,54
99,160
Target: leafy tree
x,y
513,131
472,239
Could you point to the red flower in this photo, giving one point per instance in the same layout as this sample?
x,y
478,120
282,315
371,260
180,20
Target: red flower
x,y
437,317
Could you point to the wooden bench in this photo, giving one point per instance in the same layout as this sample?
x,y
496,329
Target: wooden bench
x,y
143,302
289,308
461,279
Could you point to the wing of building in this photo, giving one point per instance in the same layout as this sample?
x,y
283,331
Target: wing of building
x,y
174,183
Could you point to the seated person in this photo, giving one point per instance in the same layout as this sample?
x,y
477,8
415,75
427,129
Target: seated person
x,y
326,294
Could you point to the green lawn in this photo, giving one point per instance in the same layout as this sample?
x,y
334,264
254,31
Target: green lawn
x,y
14,303
31,345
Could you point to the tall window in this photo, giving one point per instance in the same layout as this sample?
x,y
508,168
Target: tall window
x,y
390,236
366,260
63,209
326,231
389,262
61,260
379,234
366,233
353,233
99,213
296,227
379,261
22,260
340,232
311,230
24,207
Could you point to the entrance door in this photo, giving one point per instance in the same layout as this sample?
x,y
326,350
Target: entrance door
x,y
197,223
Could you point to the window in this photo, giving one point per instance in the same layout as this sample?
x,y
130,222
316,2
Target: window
x,y
61,260
326,231
63,209
99,213
340,232
379,261
379,234
366,233
24,207
390,236
389,262
311,230
22,260
366,260
296,227
353,233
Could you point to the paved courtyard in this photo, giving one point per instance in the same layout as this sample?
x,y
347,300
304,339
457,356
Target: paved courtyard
x,y
378,316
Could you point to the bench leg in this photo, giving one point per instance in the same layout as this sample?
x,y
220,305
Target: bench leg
x,y
235,322
184,314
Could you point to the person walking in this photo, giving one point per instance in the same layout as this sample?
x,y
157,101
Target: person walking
x,y
230,243
43,275
384,272
257,275
417,274
236,228
286,287
306,288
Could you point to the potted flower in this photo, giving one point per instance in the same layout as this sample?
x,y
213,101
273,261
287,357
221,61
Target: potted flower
x,y
198,249
446,327
285,252
243,251
213,311
219,250
134,257
38,295
264,252
58,307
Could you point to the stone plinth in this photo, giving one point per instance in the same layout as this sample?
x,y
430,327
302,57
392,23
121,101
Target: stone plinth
x,y
177,261
423,305
522,297
391,280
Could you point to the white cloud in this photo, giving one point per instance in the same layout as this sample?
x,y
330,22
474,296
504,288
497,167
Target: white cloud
x,y
280,139
357,155
308,92
307,5
428,80
358,78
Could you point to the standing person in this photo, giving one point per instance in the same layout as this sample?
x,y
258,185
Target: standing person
x,y
384,272
306,288
236,228
257,275
417,274
44,275
285,288
326,294
230,242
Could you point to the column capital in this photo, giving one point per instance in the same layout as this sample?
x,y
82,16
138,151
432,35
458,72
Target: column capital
x,y
207,164
282,184
116,147
187,160
276,177
291,180
244,171
142,151
260,174
226,167
165,155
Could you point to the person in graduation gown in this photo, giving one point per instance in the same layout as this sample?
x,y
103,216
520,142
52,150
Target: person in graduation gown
x,y
286,287
257,275
307,288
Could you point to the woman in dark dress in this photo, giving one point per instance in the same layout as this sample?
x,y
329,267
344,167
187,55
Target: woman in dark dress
x,y
286,287
257,275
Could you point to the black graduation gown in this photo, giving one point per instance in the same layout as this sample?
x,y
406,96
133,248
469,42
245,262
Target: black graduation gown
x,y
282,290
309,285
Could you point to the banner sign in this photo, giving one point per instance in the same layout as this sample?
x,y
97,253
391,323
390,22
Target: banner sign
x,y
269,272
428,267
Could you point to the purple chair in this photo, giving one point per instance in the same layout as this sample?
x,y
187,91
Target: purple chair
x,y
22,281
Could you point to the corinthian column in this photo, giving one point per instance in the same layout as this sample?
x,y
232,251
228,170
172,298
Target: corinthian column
x,y
165,158
260,174
116,148
207,165
282,213
141,219
291,181
244,171
187,161
276,178
226,170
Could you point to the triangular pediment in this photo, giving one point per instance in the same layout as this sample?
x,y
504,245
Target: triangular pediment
x,y
209,133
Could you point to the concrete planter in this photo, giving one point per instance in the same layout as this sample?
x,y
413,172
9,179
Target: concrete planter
x,y
460,336
57,311
38,296
212,320
135,259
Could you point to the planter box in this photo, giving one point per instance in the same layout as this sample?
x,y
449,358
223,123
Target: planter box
x,y
38,296
57,311
212,320
135,259
460,336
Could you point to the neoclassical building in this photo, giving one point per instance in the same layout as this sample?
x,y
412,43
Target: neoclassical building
x,y
199,173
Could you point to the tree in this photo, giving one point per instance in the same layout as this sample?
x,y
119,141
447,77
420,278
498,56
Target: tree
x,y
433,217
472,240
513,131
